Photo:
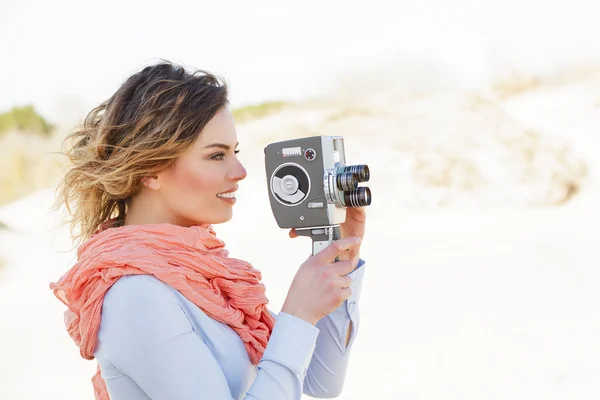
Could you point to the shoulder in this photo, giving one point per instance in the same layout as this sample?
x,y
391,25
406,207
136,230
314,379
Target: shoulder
x,y
139,303
137,290
141,318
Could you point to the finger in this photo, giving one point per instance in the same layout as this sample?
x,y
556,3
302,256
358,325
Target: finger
x,y
344,281
359,210
338,247
342,267
346,293
358,213
293,233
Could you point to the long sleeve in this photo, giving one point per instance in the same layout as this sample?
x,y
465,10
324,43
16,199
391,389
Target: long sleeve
x,y
327,371
149,348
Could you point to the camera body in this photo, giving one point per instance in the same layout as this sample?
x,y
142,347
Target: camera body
x,y
310,186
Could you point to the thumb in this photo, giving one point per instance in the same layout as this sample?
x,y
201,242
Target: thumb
x,y
293,233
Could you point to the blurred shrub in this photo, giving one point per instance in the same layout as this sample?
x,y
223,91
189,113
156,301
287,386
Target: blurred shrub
x,y
256,111
24,119
27,164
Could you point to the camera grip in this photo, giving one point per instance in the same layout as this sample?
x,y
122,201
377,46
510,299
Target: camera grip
x,y
321,237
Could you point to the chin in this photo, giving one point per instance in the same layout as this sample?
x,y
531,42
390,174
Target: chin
x,y
215,220
225,219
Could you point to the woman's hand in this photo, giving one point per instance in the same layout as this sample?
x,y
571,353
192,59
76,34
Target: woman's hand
x,y
321,284
355,222
353,226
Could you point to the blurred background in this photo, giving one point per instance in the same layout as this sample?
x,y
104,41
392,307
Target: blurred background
x,y
478,119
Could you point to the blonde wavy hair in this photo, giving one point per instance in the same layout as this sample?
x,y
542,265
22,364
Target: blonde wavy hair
x,y
142,129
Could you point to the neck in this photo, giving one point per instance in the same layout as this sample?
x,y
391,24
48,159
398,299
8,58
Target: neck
x,y
147,210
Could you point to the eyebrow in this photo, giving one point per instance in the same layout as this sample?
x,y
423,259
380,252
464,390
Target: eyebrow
x,y
220,145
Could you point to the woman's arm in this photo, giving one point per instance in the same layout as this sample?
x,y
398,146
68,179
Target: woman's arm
x,y
147,337
327,371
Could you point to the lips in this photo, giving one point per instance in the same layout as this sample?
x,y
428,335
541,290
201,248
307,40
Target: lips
x,y
230,194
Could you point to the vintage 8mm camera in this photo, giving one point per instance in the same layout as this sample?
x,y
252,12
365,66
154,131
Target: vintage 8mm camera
x,y
310,186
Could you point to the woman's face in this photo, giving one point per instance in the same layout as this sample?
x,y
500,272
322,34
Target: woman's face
x,y
192,190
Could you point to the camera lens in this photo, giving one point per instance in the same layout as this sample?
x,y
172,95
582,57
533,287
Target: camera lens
x,y
347,181
359,197
361,171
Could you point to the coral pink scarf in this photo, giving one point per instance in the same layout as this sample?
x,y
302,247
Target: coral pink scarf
x,y
192,260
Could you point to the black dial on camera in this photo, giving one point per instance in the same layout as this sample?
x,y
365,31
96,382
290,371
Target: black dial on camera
x,y
310,154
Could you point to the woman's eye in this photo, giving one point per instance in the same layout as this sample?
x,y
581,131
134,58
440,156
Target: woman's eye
x,y
219,156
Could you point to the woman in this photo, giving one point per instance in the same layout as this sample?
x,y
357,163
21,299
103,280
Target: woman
x,y
154,295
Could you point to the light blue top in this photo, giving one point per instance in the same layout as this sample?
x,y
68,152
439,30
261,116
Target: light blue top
x,y
154,343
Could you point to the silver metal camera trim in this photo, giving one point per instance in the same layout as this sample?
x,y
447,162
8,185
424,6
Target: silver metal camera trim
x,y
271,183
329,182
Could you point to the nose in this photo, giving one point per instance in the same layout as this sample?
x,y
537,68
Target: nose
x,y
238,172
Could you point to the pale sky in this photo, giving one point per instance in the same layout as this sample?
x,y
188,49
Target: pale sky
x,y
75,54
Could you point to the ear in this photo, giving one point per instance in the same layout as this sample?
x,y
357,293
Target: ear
x,y
152,182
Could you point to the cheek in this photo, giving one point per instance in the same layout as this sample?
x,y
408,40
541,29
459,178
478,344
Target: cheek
x,y
191,182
